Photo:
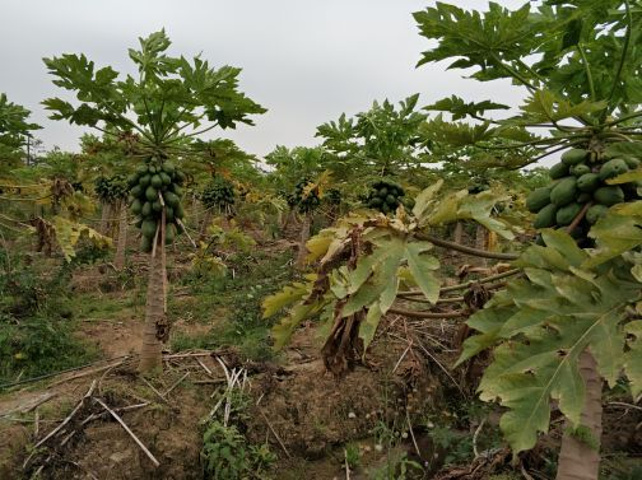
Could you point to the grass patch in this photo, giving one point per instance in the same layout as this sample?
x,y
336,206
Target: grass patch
x,y
238,296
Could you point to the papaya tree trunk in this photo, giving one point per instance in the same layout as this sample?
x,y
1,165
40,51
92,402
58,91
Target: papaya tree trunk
x,y
121,244
303,239
205,224
459,232
155,329
480,243
104,218
578,459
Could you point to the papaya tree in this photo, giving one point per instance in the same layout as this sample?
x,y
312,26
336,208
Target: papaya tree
x,y
168,103
15,132
570,324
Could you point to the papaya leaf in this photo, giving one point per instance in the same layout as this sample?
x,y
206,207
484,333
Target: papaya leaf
x,y
290,294
425,198
545,106
68,233
282,331
461,109
614,235
543,322
632,176
421,267
368,328
633,358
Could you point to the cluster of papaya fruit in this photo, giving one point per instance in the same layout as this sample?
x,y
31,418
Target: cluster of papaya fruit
x,y
580,178
333,196
110,189
385,196
304,198
154,188
218,194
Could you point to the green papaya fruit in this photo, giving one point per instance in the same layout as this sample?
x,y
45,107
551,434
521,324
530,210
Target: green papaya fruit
x,y
546,217
567,214
146,211
151,194
558,170
146,244
584,197
148,228
136,207
132,180
179,191
165,179
608,195
168,168
171,199
588,182
170,233
564,192
156,206
141,169
383,192
152,169
538,199
632,162
144,181
580,169
179,177
137,191
179,212
595,213
574,156
392,201
169,214
157,182
613,168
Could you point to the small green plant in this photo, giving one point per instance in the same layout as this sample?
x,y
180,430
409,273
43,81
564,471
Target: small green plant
x,y
352,455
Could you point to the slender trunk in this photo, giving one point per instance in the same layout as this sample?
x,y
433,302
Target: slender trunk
x,y
205,224
121,245
459,232
480,242
578,460
155,330
303,239
104,218
285,221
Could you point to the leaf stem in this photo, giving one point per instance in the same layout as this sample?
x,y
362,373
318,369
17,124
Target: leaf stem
x,y
465,249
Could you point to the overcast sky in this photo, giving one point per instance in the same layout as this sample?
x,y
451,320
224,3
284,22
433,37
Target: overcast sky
x,y
305,61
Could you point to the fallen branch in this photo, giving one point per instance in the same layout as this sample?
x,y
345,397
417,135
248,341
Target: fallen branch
x,y
424,314
131,434
26,408
84,374
278,439
63,423
153,389
176,384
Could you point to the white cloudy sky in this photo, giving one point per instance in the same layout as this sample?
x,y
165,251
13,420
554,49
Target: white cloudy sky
x,y
306,61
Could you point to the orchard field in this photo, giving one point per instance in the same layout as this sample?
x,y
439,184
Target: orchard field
x,y
444,291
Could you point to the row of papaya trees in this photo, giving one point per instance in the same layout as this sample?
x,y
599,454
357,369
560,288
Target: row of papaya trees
x,y
568,319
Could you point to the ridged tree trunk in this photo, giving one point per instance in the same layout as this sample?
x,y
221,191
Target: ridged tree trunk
x,y
155,329
121,244
480,243
459,232
578,460
205,224
303,239
104,218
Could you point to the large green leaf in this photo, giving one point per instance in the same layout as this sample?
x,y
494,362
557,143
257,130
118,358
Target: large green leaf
x,y
543,323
